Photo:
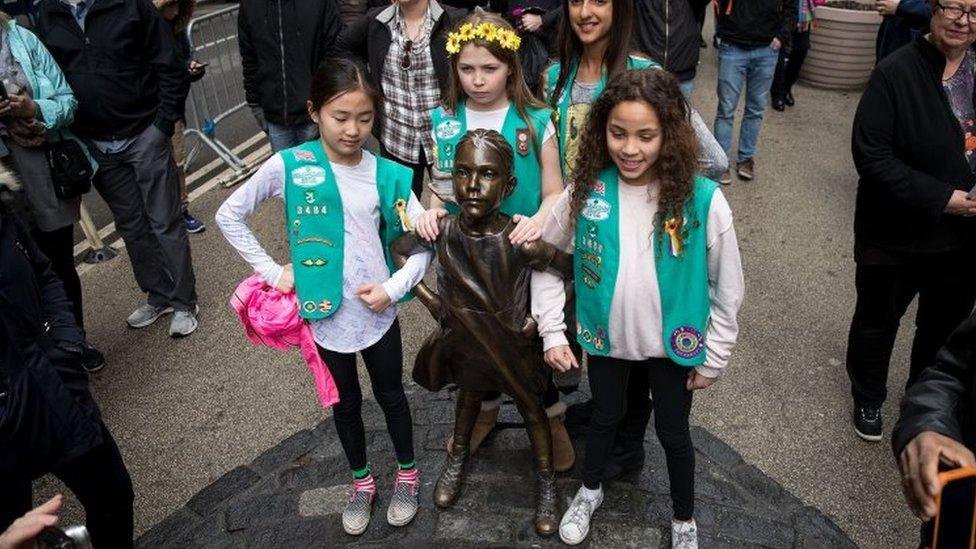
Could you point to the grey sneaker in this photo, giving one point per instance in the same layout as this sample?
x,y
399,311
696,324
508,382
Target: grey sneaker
x,y
684,535
355,518
575,525
405,500
146,314
184,323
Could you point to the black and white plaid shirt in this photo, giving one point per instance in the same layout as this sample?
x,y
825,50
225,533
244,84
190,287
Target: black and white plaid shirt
x,y
411,93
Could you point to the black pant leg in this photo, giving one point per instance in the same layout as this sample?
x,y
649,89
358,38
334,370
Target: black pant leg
x,y
384,362
347,414
883,294
778,89
798,54
16,499
101,483
672,406
58,246
608,383
633,426
945,300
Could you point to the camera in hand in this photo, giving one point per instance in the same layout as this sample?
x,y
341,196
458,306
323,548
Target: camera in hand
x,y
74,537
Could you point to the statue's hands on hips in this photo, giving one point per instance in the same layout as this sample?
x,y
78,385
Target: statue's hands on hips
x,y
374,296
919,464
561,358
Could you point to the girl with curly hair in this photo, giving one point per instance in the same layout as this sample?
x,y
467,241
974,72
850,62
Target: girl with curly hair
x,y
658,282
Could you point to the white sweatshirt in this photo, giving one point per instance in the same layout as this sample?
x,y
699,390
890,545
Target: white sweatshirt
x,y
635,313
353,327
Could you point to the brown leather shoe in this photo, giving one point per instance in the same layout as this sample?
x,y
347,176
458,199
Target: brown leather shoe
x,y
546,504
483,425
563,453
746,169
449,484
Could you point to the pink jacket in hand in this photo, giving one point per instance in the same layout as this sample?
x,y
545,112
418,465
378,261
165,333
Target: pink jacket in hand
x,y
271,318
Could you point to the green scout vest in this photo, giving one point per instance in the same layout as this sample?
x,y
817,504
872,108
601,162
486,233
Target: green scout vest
x,y
682,276
527,196
316,229
565,99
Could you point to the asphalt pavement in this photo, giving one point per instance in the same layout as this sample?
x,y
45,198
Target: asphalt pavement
x,y
187,411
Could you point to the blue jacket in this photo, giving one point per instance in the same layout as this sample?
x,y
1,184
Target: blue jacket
x,y
49,88
909,22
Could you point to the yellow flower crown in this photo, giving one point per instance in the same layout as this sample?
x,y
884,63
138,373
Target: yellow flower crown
x,y
488,32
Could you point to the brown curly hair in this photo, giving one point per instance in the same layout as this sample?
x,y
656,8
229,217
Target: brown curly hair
x,y
678,160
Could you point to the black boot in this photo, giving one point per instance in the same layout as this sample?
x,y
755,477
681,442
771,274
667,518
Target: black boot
x,y
788,99
779,103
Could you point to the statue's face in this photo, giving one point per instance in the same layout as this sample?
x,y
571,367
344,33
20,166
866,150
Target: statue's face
x,y
480,180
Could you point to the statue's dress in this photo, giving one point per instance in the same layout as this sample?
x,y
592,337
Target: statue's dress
x,y
481,343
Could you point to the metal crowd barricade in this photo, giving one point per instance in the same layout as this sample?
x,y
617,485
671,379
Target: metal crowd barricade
x,y
220,93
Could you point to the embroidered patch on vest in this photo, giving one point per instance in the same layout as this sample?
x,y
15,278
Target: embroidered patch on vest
x,y
522,141
304,156
308,176
448,129
596,209
686,342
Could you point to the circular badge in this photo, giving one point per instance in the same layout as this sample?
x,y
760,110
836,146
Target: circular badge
x,y
309,306
686,342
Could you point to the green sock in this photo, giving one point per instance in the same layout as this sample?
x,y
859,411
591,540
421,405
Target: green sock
x,y
407,466
360,473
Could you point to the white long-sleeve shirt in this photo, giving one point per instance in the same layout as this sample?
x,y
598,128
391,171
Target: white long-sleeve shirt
x,y
353,327
635,312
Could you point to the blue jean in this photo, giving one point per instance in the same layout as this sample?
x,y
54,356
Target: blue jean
x,y
292,135
755,69
687,88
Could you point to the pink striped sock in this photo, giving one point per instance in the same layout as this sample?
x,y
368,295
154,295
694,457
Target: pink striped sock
x,y
366,484
410,476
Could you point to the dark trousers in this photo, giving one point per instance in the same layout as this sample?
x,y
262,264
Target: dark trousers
x,y
946,292
420,169
139,186
59,246
100,481
384,363
789,64
615,382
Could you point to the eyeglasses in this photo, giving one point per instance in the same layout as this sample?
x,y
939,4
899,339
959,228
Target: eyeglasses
x,y
405,61
955,13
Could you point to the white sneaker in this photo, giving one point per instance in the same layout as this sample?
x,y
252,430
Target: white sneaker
x,y
684,535
184,323
575,525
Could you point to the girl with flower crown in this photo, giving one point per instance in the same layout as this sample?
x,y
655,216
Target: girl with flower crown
x,y
657,277
487,90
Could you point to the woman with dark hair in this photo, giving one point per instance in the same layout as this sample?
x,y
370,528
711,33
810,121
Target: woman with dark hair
x,y
594,46
344,208
658,281
38,110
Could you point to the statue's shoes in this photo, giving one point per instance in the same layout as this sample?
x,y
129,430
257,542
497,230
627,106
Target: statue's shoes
x,y
448,486
547,505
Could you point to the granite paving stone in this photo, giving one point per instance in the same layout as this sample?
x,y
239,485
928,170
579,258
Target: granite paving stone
x,y
293,494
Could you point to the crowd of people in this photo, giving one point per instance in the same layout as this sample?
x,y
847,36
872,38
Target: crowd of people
x,y
367,106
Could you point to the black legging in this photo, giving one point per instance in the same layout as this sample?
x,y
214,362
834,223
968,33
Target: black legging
x,y
384,363
58,245
613,382
100,482
789,64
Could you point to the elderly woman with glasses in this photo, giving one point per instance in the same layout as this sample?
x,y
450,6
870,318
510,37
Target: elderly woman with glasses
x,y
914,146
403,46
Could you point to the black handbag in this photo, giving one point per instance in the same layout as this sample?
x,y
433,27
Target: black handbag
x,y
71,171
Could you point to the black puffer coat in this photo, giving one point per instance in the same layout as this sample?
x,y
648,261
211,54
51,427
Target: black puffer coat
x,y
667,31
47,415
944,397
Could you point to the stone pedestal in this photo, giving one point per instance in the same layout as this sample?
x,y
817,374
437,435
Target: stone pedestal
x,y
841,48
